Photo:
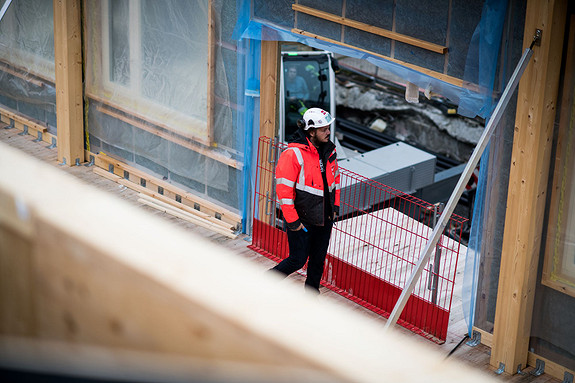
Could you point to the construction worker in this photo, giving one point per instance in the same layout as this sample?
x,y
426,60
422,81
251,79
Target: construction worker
x,y
307,185
296,87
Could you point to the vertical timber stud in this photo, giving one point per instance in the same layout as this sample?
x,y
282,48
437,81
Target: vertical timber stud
x,y
68,65
530,163
269,87
211,71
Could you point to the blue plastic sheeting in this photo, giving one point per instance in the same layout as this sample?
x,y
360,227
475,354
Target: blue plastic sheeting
x,y
481,64
248,74
480,68
473,257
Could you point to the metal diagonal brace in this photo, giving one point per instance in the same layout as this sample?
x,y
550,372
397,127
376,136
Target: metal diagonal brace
x,y
471,165
4,8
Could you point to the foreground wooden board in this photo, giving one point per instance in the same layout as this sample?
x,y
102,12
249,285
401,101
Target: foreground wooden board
x,y
81,270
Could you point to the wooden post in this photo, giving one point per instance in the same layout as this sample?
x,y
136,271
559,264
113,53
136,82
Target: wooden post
x,y
68,65
530,162
269,88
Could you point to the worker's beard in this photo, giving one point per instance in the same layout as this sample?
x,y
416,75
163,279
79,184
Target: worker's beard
x,y
315,141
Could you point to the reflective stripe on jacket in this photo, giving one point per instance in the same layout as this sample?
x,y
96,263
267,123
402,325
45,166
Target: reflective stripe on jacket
x,y
299,183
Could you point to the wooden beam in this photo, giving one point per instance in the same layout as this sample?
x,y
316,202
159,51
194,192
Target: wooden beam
x,y
27,124
69,88
371,29
530,163
269,88
125,280
440,76
134,177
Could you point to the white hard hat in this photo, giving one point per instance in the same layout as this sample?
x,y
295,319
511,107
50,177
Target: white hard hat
x,y
316,118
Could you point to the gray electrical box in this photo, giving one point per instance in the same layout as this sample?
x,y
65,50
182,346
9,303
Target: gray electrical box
x,y
399,166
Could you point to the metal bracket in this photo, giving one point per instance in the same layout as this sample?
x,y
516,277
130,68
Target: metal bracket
x,y
53,144
63,160
24,132
77,162
539,367
475,340
567,377
11,126
501,368
537,37
91,162
39,139
519,370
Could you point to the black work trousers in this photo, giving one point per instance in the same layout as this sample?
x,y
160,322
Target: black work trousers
x,y
310,245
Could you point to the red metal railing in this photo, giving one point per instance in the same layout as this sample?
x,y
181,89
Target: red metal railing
x,y
374,246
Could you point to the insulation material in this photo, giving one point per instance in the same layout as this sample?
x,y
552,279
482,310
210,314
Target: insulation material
x,y
27,60
151,69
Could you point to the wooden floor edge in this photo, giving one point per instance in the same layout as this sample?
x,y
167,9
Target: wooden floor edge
x,y
552,368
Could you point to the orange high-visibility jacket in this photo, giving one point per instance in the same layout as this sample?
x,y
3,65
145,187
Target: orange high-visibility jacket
x,y
299,184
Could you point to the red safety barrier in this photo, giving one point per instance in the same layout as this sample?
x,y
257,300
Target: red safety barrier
x,y
374,246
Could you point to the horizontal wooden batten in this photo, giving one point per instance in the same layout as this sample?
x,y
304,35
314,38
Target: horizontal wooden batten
x,y
27,124
553,369
132,178
440,76
371,29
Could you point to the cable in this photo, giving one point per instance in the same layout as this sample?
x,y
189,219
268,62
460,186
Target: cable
x,y
459,344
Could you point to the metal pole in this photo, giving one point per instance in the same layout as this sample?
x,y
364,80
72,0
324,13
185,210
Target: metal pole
x,y
437,261
471,165
4,8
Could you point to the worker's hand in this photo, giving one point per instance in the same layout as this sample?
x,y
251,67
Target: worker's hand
x,y
301,227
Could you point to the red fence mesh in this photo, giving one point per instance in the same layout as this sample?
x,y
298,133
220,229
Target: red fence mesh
x,y
374,246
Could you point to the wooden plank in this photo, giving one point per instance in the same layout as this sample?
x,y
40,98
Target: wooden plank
x,y
371,29
530,163
179,213
208,207
160,290
30,122
440,76
69,87
555,370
